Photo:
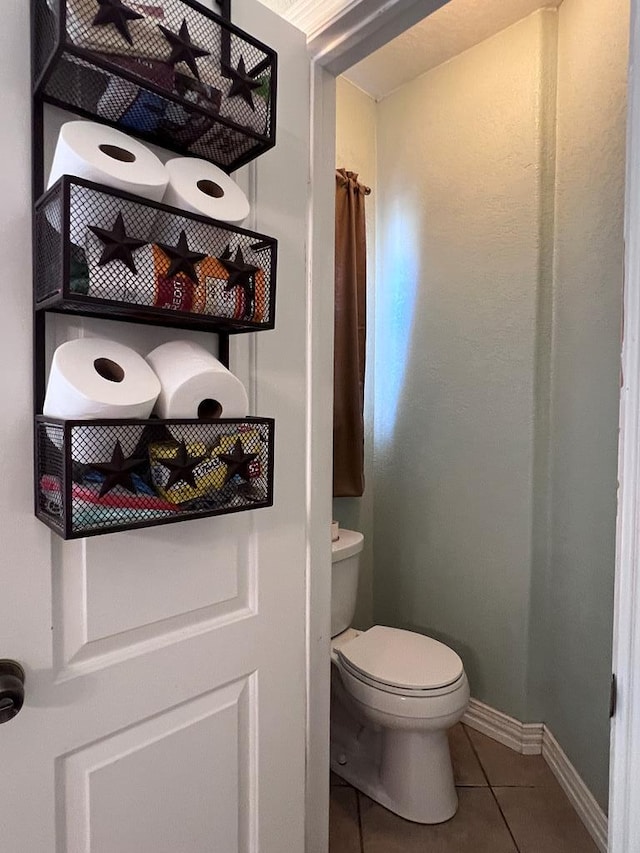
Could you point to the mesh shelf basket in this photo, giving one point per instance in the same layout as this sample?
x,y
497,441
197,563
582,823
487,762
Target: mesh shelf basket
x,y
97,477
230,289
168,71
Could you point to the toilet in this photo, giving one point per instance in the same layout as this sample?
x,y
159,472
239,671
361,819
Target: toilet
x,y
394,695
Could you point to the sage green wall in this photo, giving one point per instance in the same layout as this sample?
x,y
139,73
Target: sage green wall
x,y
356,151
492,410
576,618
498,311
461,183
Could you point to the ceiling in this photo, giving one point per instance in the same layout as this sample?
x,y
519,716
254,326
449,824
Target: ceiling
x,y
452,29
280,6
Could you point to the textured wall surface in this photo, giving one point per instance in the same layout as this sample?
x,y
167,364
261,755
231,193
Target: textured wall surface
x,y
460,183
587,310
456,27
500,203
356,151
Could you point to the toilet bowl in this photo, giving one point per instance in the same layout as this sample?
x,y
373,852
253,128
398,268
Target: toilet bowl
x,y
395,694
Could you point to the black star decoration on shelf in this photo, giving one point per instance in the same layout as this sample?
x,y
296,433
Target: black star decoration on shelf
x,y
181,467
116,13
182,258
237,462
183,49
118,246
242,84
240,275
117,472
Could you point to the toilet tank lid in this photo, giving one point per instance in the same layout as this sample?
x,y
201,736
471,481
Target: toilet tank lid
x,y
402,658
349,542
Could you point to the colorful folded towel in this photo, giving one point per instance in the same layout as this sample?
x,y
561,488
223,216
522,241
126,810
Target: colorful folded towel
x,y
150,284
199,480
133,107
88,515
145,113
119,498
91,476
135,41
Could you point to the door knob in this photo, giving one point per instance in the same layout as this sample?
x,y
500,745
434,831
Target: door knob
x,y
11,689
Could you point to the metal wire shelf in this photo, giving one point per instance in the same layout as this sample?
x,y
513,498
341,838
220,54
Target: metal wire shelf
x,y
96,477
168,71
85,265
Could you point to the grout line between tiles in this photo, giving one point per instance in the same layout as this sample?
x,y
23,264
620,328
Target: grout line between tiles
x,y
502,814
478,759
522,787
506,822
359,820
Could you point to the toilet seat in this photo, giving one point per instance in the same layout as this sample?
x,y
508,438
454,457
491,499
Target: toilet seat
x,y
417,693
401,662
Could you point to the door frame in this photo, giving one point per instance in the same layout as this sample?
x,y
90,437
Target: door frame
x,y
355,29
624,798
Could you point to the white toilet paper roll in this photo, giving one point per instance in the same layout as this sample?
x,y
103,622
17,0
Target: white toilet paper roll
x,y
194,384
200,187
94,378
108,156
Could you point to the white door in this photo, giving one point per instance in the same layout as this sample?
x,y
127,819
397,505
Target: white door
x,y
165,668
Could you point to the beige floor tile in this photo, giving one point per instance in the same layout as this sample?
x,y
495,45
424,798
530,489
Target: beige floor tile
x,y
344,829
505,768
466,767
478,827
542,820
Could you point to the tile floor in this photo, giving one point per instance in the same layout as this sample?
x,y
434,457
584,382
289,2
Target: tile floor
x,y
509,803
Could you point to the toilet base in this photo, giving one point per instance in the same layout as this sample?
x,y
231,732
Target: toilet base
x,y
399,790
407,772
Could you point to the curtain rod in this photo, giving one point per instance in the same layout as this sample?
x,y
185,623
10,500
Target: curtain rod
x,y
345,173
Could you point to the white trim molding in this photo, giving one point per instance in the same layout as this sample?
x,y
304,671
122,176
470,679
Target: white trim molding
x,y
525,738
320,313
312,17
580,797
624,794
342,32
536,739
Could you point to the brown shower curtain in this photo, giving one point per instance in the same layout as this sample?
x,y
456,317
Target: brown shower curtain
x,y
350,336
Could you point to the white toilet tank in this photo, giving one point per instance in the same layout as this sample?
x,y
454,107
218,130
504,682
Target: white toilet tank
x,y
344,579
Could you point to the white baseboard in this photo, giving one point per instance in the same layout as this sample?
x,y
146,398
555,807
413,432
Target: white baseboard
x,y
580,796
536,739
525,738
